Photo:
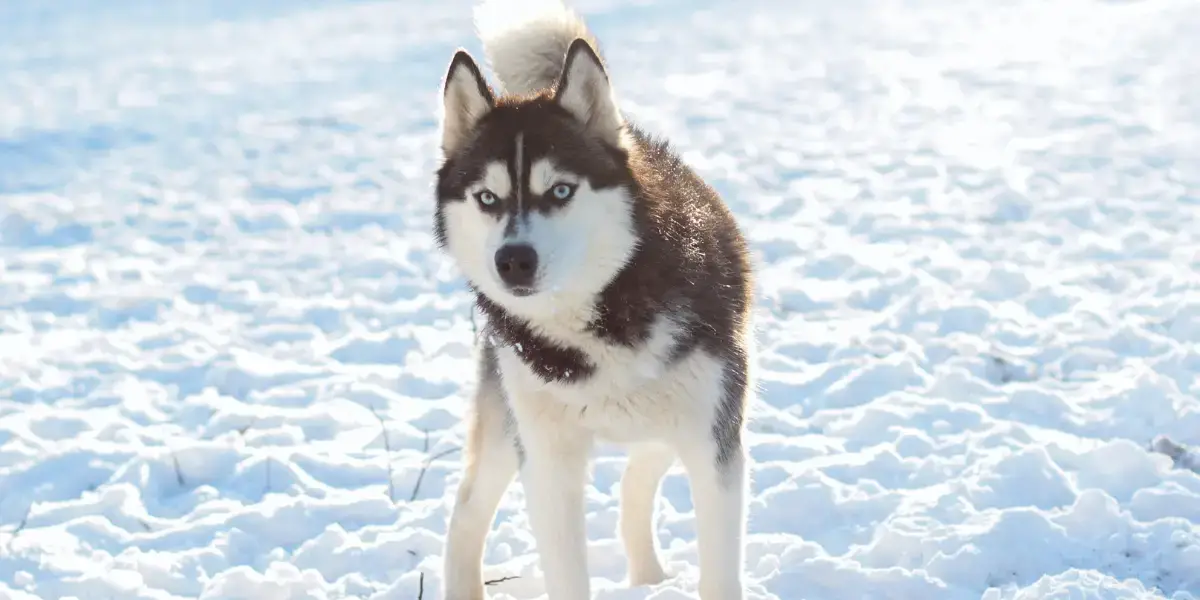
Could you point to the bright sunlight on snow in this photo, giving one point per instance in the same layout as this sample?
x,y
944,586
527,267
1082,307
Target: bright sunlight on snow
x,y
233,363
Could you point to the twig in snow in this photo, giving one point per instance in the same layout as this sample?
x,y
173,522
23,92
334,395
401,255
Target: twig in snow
x,y
387,447
243,429
269,461
421,586
425,467
21,524
178,470
501,580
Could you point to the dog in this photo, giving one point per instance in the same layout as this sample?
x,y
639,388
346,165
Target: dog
x,y
616,292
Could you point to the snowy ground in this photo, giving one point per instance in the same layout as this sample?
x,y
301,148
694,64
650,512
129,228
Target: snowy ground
x,y
232,364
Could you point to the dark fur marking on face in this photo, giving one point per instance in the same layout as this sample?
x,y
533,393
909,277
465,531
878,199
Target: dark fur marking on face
x,y
549,132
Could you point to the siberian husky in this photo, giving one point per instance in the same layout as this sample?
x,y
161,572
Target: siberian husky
x,y
616,289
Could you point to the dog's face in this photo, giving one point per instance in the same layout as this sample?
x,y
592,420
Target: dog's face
x,y
534,196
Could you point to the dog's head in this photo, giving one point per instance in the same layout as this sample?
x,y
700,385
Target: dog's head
x,y
535,193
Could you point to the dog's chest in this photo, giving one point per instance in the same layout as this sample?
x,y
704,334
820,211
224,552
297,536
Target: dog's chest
x,y
627,394
585,366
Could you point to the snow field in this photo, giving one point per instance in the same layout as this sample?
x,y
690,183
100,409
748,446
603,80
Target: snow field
x,y
232,363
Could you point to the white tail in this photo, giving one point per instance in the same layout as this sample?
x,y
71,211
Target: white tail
x,y
526,41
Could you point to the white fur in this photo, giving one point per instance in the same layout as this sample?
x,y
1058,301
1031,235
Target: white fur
x,y
648,462
495,179
462,107
491,463
587,94
543,175
525,40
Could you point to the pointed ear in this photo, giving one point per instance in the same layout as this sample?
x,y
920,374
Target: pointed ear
x,y
584,90
466,98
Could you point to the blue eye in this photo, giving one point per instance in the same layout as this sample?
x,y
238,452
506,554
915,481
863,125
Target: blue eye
x,y
562,191
486,198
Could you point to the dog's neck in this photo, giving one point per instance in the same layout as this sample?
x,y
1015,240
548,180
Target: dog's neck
x,y
550,359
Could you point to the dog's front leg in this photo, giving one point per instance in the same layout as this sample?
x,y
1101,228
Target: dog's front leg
x,y
639,491
555,475
490,459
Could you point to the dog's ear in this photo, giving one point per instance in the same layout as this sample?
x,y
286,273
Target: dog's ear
x,y
585,91
466,98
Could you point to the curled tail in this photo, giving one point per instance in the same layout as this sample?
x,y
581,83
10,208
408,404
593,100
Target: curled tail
x,y
526,41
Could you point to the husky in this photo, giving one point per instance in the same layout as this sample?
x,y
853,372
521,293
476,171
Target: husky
x,y
615,289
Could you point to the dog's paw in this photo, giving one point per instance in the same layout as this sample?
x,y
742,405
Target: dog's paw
x,y
463,592
649,573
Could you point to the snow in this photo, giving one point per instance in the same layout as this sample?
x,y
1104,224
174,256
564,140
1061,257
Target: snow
x,y
232,363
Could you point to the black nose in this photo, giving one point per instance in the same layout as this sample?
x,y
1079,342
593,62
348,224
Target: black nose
x,y
517,264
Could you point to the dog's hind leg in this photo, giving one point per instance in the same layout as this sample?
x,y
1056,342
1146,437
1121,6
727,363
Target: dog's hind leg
x,y
719,497
639,490
717,466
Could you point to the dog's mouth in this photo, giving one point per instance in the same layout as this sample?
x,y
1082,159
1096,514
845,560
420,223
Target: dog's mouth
x,y
521,291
